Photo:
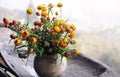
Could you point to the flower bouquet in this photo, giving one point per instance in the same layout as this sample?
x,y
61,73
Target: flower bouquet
x,y
49,35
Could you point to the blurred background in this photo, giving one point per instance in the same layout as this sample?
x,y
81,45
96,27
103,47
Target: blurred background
x,y
97,21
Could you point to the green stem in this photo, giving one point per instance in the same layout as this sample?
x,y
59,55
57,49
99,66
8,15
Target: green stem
x,y
61,12
65,35
21,46
27,19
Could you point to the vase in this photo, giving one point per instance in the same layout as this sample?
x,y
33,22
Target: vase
x,y
49,65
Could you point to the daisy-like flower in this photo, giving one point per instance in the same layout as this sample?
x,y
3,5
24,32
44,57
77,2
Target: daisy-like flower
x,y
25,34
18,41
33,40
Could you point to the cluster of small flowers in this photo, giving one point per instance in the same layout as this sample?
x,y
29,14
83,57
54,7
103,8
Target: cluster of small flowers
x,y
51,34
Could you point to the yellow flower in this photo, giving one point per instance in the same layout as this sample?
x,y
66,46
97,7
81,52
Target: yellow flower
x,y
44,13
76,52
73,27
57,29
29,11
33,40
59,5
25,34
42,7
39,7
62,22
59,22
18,41
71,35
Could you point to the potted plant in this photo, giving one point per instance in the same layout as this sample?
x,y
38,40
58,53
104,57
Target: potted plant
x,y
50,39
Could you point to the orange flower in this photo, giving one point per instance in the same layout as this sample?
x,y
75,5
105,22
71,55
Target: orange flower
x,y
18,41
25,34
57,29
44,13
76,52
71,35
63,43
29,11
33,40
68,29
59,5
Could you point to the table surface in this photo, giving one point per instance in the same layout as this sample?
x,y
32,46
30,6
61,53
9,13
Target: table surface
x,y
80,66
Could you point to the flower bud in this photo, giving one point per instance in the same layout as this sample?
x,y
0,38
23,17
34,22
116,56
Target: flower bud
x,y
67,54
14,22
48,18
5,20
37,13
12,36
37,23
